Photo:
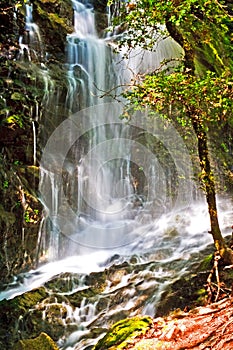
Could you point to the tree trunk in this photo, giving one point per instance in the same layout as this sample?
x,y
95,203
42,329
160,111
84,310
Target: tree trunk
x,y
207,178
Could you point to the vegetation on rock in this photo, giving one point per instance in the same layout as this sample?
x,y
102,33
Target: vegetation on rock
x,y
119,334
27,75
42,342
14,310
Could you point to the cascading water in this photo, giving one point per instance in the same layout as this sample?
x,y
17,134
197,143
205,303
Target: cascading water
x,y
100,183
86,82
121,223
30,43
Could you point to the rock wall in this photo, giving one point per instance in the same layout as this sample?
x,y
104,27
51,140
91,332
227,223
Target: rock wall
x,y
20,210
27,104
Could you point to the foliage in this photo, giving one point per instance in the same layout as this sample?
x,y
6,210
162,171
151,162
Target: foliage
x,y
211,96
5,184
204,24
202,85
21,89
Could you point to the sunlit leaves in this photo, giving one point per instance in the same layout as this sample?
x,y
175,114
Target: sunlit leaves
x,y
210,96
205,28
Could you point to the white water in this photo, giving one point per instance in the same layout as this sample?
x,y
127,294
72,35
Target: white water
x,y
97,213
164,252
30,43
97,204
175,236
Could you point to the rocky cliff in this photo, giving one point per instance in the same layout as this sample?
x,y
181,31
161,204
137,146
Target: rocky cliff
x,y
32,88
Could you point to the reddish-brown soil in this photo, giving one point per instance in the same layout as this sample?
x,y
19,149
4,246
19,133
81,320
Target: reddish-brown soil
x,y
209,327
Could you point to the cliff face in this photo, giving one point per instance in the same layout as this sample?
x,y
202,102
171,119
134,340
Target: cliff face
x,y
20,210
32,79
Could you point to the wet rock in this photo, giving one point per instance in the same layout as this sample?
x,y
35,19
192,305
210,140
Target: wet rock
x,y
63,283
54,19
97,280
116,276
12,313
184,293
20,215
49,317
192,289
42,342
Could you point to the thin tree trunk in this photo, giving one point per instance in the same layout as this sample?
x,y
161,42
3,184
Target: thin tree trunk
x,y
209,187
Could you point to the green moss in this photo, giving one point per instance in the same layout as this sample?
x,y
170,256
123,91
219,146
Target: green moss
x,y
119,334
49,1
202,296
201,291
42,342
206,264
77,298
29,299
55,20
14,309
20,304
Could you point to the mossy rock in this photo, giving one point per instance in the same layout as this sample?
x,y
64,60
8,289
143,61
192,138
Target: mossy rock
x,y
14,309
54,19
63,283
207,263
122,331
90,294
189,291
42,342
24,302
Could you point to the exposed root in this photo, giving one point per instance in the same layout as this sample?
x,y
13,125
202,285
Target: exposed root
x,y
210,286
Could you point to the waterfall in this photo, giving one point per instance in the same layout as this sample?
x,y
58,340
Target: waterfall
x,y
100,177
90,73
30,43
89,62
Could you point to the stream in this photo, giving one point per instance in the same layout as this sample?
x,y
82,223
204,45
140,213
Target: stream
x,y
88,292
